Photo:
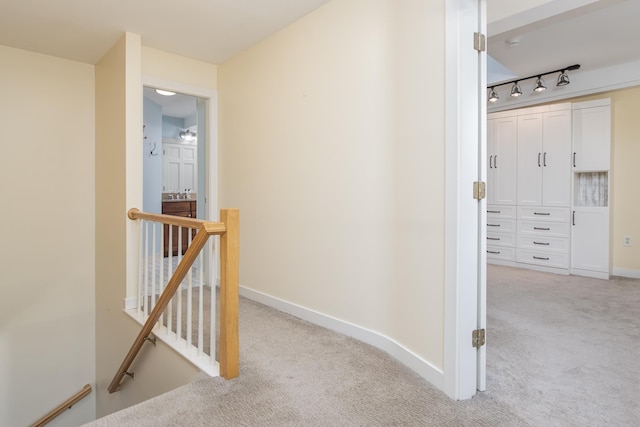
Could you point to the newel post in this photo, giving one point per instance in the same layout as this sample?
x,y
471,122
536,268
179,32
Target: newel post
x,y
229,293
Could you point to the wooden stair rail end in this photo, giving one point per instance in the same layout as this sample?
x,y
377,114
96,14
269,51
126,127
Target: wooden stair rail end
x,y
67,404
229,237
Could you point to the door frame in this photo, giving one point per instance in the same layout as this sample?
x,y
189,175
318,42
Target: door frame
x,y
465,157
211,151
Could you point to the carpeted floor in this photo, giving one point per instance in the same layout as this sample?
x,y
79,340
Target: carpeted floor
x,y
562,351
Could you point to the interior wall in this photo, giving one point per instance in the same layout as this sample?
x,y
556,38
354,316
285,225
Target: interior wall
x,y
118,187
332,146
152,157
625,201
47,228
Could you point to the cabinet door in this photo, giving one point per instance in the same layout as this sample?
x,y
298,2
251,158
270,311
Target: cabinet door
x,y
590,239
505,158
529,175
592,138
180,168
556,159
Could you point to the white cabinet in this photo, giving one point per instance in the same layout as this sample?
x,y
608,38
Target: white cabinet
x,y
179,167
544,159
590,241
558,218
502,159
590,208
591,135
501,233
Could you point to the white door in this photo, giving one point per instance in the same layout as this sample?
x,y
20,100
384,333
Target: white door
x,y
591,135
530,160
556,159
179,168
504,161
590,239
465,219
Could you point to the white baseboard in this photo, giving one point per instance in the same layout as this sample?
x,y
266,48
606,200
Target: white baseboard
x,y
626,272
423,368
589,273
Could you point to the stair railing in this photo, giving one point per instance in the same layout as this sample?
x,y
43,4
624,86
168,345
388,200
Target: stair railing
x,y
228,230
67,404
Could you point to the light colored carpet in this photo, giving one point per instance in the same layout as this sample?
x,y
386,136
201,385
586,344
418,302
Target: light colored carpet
x,y
562,351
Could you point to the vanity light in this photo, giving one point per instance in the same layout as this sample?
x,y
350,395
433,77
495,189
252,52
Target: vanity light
x,y
165,92
187,135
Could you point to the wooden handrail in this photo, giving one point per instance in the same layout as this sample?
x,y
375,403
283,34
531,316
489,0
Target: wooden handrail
x,y
228,230
67,404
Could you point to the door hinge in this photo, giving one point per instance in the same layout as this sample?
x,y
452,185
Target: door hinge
x,y
479,42
478,338
479,190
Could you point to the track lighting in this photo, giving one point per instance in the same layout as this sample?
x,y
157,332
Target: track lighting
x,y
539,86
563,79
515,90
493,95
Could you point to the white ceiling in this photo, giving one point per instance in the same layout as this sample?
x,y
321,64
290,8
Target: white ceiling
x,y
83,30
552,33
559,33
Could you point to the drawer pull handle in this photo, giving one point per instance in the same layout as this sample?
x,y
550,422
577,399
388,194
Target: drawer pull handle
x,y
497,212
490,159
542,228
541,258
494,252
493,225
493,238
539,154
542,213
542,243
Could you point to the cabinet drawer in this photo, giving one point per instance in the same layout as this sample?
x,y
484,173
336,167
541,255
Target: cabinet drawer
x,y
501,253
543,243
501,212
501,225
541,228
548,259
501,239
543,213
178,207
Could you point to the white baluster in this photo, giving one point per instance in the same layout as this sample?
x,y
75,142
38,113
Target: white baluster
x,y
140,268
153,266
212,319
169,274
179,301
189,298
146,270
201,303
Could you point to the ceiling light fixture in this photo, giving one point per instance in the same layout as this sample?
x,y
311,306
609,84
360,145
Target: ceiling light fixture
x,y
493,95
515,90
539,87
563,80
165,92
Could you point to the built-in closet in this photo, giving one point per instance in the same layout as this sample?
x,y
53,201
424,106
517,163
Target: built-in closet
x,y
548,188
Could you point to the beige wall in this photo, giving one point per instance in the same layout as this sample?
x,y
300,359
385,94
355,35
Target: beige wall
x,y
118,188
332,146
625,176
178,69
47,228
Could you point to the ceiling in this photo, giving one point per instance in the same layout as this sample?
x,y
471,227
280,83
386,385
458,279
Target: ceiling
x,y
559,33
551,34
84,30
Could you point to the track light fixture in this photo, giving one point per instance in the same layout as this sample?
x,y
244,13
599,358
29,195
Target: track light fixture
x,y
515,90
493,95
563,80
539,87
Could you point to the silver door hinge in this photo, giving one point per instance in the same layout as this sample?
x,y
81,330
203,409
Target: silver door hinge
x,y
478,338
479,190
479,42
